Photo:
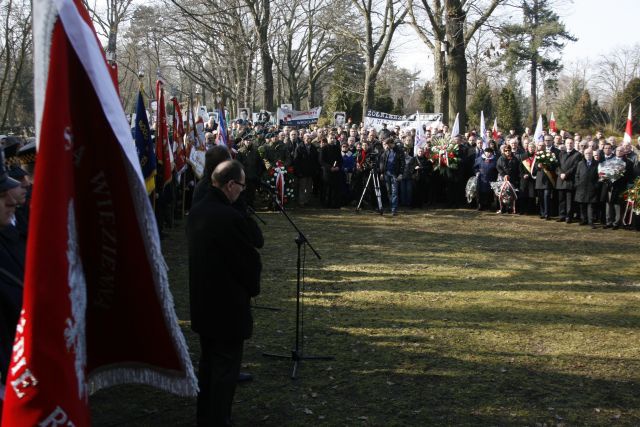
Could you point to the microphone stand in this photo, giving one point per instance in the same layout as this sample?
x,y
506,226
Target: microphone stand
x,y
296,354
254,213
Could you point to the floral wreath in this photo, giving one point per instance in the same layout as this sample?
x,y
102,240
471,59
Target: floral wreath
x,y
444,155
282,182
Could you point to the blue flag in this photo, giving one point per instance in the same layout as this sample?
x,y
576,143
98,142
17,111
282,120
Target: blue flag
x,y
222,138
145,145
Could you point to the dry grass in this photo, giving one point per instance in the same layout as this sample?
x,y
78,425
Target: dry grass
x,y
435,318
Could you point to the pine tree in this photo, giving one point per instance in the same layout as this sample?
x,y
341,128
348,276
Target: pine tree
x,y
399,107
583,112
426,101
509,115
630,95
531,44
481,101
383,101
567,104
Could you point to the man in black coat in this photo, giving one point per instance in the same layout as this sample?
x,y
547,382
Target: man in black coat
x,y
586,187
330,160
306,167
566,171
224,273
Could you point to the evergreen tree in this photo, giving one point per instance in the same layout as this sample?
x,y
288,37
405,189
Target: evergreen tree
x,y
583,112
399,107
630,95
509,116
383,101
567,104
481,101
531,44
426,101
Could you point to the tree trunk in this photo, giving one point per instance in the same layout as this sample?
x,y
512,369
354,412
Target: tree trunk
x,y
440,93
368,96
534,84
311,88
456,62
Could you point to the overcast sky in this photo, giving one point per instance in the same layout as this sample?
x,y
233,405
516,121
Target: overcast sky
x,y
599,25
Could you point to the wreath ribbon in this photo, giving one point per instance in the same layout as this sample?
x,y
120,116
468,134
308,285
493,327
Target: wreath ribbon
x,y
506,185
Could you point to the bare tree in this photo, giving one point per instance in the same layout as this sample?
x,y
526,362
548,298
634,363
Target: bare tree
x,y
260,11
109,20
447,30
15,53
381,19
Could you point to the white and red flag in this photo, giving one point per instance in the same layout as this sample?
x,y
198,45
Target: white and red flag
x,y
97,308
494,130
628,130
552,124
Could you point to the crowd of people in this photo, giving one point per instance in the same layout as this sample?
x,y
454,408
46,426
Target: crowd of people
x,y
343,165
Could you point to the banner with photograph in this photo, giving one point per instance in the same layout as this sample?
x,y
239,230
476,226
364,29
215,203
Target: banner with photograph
x,y
264,117
298,118
196,160
375,119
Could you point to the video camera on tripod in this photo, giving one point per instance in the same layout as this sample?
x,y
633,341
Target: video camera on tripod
x,y
371,164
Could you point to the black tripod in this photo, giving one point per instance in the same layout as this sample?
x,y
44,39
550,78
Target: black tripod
x,y
296,353
376,188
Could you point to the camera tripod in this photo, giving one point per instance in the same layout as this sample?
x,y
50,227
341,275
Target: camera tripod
x,y
376,188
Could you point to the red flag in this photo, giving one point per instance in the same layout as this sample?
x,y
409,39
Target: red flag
x,y
494,131
552,124
97,309
628,130
163,151
178,137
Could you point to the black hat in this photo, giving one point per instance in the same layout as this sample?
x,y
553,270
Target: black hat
x,y
16,172
6,182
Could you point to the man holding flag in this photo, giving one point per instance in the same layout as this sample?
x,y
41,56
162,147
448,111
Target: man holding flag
x,y
97,309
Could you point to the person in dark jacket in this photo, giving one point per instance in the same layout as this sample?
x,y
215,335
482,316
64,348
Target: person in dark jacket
x,y
612,191
224,273
527,193
566,170
331,164
253,168
485,169
586,187
11,271
508,167
544,185
391,167
306,167
421,175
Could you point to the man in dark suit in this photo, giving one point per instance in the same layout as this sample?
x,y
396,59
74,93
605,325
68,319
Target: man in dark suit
x,y
568,163
586,187
224,273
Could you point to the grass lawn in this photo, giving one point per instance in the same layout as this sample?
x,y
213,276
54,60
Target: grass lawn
x,y
446,317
